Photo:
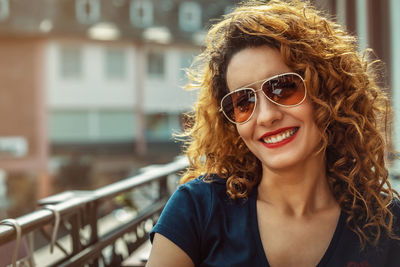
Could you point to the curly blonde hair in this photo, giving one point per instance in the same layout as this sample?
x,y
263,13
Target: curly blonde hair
x,y
351,110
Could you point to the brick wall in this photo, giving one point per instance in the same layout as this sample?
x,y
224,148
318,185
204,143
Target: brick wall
x,y
22,101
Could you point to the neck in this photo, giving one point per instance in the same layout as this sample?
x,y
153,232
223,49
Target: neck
x,y
297,191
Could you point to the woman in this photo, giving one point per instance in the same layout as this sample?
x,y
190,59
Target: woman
x,y
286,148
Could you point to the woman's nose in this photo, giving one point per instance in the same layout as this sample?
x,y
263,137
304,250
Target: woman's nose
x,y
267,112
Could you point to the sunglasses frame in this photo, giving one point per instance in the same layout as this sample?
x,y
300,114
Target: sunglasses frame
x,y
255,95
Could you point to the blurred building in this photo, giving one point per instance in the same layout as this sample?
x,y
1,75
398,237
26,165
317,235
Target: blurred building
x,y
376,25
107,74
95,72
80,77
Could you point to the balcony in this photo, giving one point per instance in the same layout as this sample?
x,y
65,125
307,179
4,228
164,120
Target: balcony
x,y
87,228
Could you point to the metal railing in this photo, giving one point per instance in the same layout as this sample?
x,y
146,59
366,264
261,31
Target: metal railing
x,y
78,213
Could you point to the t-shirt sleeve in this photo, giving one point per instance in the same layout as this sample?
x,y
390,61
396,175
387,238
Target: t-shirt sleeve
x,y
183,218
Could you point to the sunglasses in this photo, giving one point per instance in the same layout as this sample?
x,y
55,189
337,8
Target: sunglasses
x,y
285,90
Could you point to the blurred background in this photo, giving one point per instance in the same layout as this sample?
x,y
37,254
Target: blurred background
x,y
91,90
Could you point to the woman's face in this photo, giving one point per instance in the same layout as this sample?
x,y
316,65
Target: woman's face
x,y
280,137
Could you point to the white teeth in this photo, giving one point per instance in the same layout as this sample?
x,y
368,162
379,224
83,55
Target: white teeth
x,y
280,137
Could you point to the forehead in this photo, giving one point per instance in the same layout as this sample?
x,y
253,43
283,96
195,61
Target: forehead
x,y
254,64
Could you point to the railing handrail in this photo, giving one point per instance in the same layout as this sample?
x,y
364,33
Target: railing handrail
x,y
150,175
42,216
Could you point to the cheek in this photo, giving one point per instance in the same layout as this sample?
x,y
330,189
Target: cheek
x,y
308,112
312,127
246,134
243,131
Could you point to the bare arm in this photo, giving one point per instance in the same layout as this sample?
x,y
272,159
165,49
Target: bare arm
x,y
166,254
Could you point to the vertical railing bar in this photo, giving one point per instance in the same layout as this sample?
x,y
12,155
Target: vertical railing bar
x,y
94,235
163,189
75,234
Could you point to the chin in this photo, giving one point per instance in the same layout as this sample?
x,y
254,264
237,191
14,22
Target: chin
x,y
282,163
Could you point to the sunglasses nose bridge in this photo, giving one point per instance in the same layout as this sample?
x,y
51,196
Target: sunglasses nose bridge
x,y
263,94
265,111
262,103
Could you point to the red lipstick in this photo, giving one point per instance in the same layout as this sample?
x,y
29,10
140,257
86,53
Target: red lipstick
x,y
281,143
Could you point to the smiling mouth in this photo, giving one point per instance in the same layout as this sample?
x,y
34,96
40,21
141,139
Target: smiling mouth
x,y
277,138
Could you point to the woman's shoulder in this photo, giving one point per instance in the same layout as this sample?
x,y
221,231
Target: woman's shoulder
x,y
204,183
395,209
395,206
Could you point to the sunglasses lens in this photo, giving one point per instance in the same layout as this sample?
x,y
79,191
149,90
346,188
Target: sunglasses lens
x,y
286,90
239,105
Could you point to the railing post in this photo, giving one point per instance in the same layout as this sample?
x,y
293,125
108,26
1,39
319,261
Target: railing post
x,y
75,233
93,218
163,190
94,235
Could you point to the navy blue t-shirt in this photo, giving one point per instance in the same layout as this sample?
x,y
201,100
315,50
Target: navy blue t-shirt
x,y
214,230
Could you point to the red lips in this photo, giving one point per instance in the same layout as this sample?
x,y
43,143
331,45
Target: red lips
x,y
281,143
277,131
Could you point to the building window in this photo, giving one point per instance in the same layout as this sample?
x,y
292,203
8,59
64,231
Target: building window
x,y
4,9
155,64
141,13
87,11
115,64
70,62
69,126
186,59
117,125
190,16
157,127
